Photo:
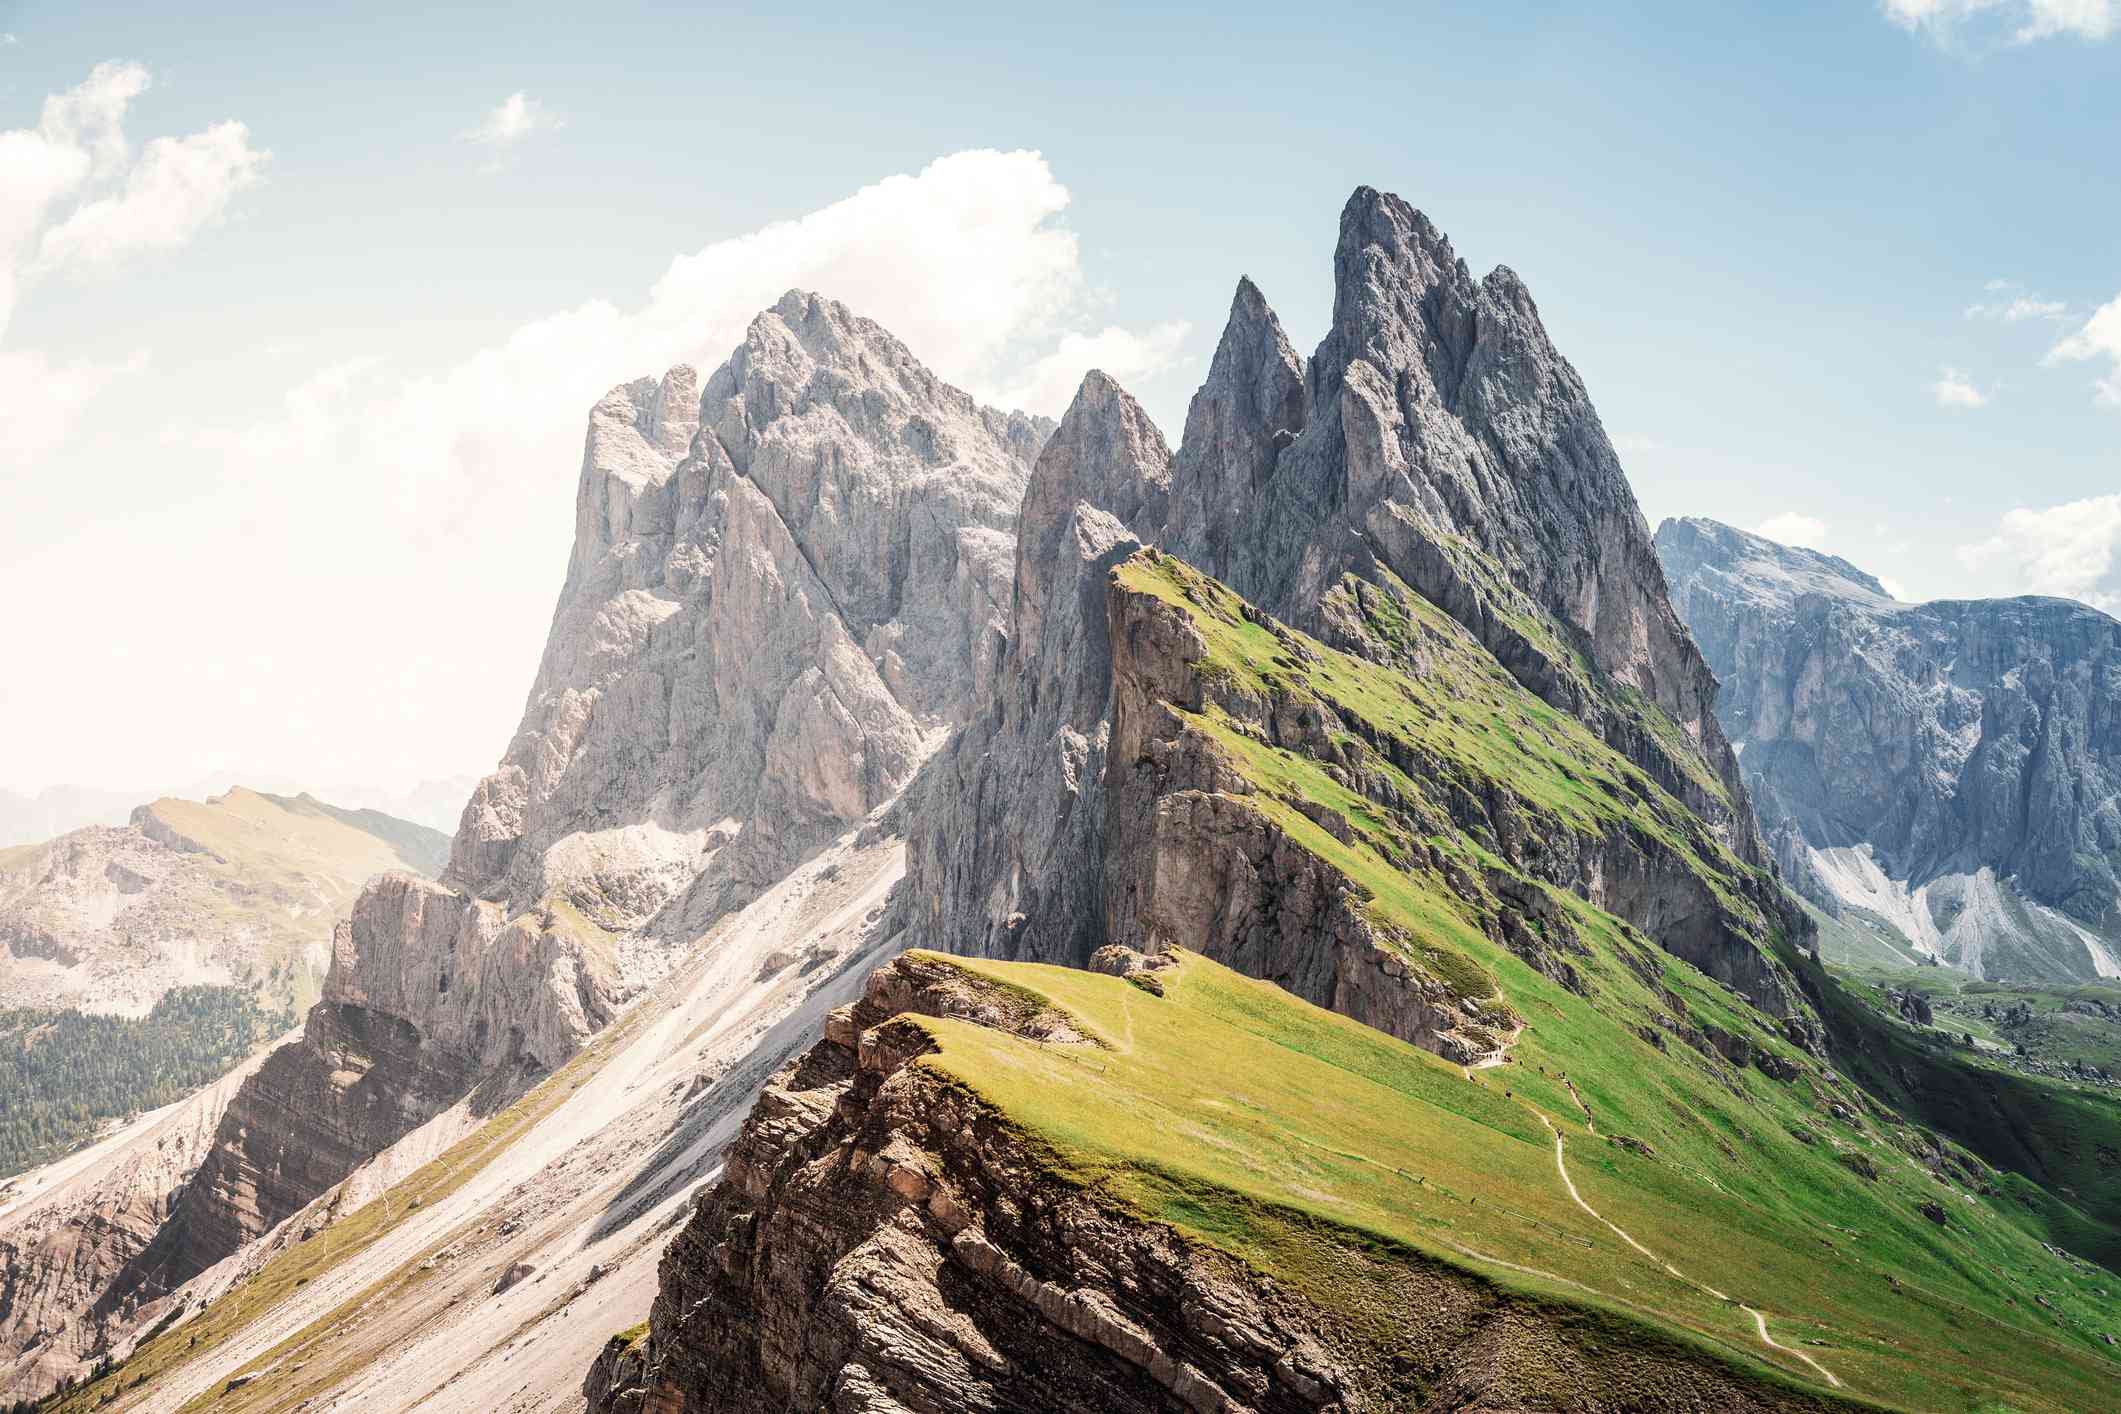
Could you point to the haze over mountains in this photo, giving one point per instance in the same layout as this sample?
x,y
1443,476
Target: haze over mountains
x,y
987,915
240,889
1946,775
57,810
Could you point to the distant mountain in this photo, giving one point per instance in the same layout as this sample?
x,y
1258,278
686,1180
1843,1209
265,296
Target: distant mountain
x,y
1942,780
241,889
1429,1030
55,810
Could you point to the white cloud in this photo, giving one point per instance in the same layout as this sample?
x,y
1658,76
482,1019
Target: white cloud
x,y
2018,309
1794,528
514,118
965,262
1048,385
2073,550
74,200
1953,389
40,399
177,188
2099,338
1893,586
2017,21
409,487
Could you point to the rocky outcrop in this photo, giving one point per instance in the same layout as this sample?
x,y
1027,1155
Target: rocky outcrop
x,y
430,994
1447,443
1952,769
880,1241
783,584
66,1234
1005,844
1192,862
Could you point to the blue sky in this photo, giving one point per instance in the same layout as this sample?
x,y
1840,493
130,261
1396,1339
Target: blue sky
x,y
293,456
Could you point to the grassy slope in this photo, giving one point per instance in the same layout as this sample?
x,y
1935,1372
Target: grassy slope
x,y
1789,1225
1241,1116
2055,1033
2061,1140
280,870
1463,714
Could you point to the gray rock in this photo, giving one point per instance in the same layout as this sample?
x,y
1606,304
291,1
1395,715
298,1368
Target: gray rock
x,y
1436,440
1005,847
1952,768
785,585
776,594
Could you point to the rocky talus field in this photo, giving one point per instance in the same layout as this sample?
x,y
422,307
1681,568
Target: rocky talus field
x,y
987,915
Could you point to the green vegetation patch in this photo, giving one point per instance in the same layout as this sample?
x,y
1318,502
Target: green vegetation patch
x,y
64,1074
1450,706
1238,1114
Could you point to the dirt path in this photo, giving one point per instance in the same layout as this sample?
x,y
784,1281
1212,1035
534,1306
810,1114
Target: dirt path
x,y
1759,1321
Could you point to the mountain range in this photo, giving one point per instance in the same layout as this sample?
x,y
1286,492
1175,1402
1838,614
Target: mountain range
x,y
62,809
989,915
1942,780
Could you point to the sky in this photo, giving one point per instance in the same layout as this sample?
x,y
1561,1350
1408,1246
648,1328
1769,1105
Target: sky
x,y
301,316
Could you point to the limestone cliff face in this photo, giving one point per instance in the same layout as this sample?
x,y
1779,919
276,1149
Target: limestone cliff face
x,y
1006,837
1952,768
782,586
64,1236
1192,862
430,993
1435,443
1447,442
786,584
882,1242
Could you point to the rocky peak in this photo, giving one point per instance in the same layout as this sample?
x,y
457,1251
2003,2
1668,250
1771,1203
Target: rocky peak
x,y
1447,444
777,595
1033,759
1436,442
1105,469
1251,406
785,582
1692,547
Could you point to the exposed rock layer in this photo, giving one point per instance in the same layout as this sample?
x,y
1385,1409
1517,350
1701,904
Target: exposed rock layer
x,y
782,583
786,583
881,1242
1939,765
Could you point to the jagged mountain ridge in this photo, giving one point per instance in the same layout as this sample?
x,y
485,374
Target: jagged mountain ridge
x,y
1123,1205
785,585
781,585
1393,745
1437,445
1951,769
1200,777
